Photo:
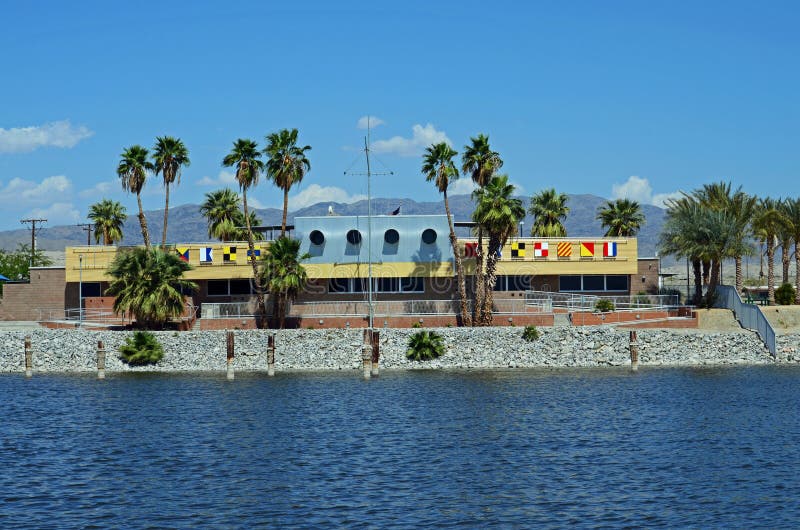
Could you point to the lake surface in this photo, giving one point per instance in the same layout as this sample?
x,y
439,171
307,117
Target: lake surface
x,y
580,448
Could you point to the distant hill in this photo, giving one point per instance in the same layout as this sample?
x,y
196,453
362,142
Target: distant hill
x,y
187,225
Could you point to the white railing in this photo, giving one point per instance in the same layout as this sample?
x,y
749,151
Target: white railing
x,y
546,301
100,316
232,309
388,308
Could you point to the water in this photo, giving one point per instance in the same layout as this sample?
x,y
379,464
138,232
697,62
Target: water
x,y
592,448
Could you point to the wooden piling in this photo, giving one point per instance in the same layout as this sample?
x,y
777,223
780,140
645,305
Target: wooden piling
x,y
634,347
271,354
101,360
230,344
376,352
366,353
28,357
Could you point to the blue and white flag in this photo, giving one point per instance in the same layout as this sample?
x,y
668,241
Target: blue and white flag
x,y
206,255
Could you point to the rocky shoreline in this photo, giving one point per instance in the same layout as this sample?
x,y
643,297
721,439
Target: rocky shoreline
x,y
339,349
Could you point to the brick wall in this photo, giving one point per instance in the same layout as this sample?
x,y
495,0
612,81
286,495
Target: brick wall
x,y
46,291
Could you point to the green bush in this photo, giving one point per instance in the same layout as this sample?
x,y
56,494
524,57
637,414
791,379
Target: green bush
x,y
141,349
425,345
530,334
416,325
604,305
785,294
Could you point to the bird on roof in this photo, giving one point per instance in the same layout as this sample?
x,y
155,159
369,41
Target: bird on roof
x,y
330,210
397,211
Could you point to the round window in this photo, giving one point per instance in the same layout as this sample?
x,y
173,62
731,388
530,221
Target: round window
x,y
429,236
354,237
391,236
316,237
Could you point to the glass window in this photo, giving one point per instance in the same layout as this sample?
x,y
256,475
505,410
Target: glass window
x,y
240,287
217,287
359,285
412,285
90,289
594,283
616,283
519,283
387,285
569,283
338,285
500,283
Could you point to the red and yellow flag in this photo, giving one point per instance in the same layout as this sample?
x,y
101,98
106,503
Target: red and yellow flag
x,y
564,249
587,250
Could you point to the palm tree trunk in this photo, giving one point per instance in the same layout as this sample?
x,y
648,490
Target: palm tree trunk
x,y
706,271
462,288
712,283
698,280
106,239
739,276
285,210
480,286
166,216
785,258
796,272
282,310
771,273
262,306
487,313
143,223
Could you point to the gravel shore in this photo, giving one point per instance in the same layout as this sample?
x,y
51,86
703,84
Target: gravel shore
x,y
340,349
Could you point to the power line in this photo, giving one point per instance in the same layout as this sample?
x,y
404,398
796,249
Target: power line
x,y
33,222
87,227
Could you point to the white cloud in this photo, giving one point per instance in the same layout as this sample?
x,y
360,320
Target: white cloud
x,y
639,189
462,186
101,189
421,137
225,178
252,202
315,193
373,122
58,213
22,193
55,134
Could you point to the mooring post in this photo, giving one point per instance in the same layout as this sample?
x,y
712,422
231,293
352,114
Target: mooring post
x,y
376,352
101,360
28,357
230,354
634,345
366,353
271,354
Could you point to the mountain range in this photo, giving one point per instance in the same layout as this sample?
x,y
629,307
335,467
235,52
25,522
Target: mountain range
x,y
187,225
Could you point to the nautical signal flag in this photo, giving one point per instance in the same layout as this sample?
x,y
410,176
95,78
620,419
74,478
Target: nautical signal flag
x,y
470,250
564,249
517,250
183,253
256,251
206,255
540,249
228,254
587,250
609,249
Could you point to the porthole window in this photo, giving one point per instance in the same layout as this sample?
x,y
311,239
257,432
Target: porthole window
x,y
354,237
391,236
316,237
429,236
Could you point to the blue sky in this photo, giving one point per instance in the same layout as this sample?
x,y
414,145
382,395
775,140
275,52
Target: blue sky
x,y
637,99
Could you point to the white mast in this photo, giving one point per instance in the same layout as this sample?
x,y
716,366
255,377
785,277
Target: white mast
x,y
369,228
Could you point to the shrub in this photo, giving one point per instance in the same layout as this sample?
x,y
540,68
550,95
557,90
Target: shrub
x,y
604,305
784,295
141,349
416,325
425,345
642,298
530,334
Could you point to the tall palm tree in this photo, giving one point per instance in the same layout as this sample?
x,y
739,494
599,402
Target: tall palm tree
x,y
549,210
767,224
438,166
220,209
149,283
245,157
108,217
284,274
676,240
622,218
785,237
132,171
169,156
498,212
792,213
287,164
480,163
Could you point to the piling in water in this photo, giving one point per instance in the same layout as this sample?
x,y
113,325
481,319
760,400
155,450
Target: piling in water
x,y
634,346
229,338
101,360
28,357
271,354
376,352
366,354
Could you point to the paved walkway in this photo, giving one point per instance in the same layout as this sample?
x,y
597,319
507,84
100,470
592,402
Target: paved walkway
x,y
18,325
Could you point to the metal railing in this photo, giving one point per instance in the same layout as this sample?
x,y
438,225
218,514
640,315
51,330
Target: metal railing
x,y
388,308
100,316
748,315
232,309
546,301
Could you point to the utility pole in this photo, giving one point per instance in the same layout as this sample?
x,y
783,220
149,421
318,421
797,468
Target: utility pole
x,y
33,233
88,228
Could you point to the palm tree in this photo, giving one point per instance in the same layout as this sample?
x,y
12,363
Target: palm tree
x,y
785,236
792,213
149,284
767,224
622,218
549,210
169,156
497,212
675,238
286,164
480,163
132,171
245,157
108,217
284,274
220,209
438,166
